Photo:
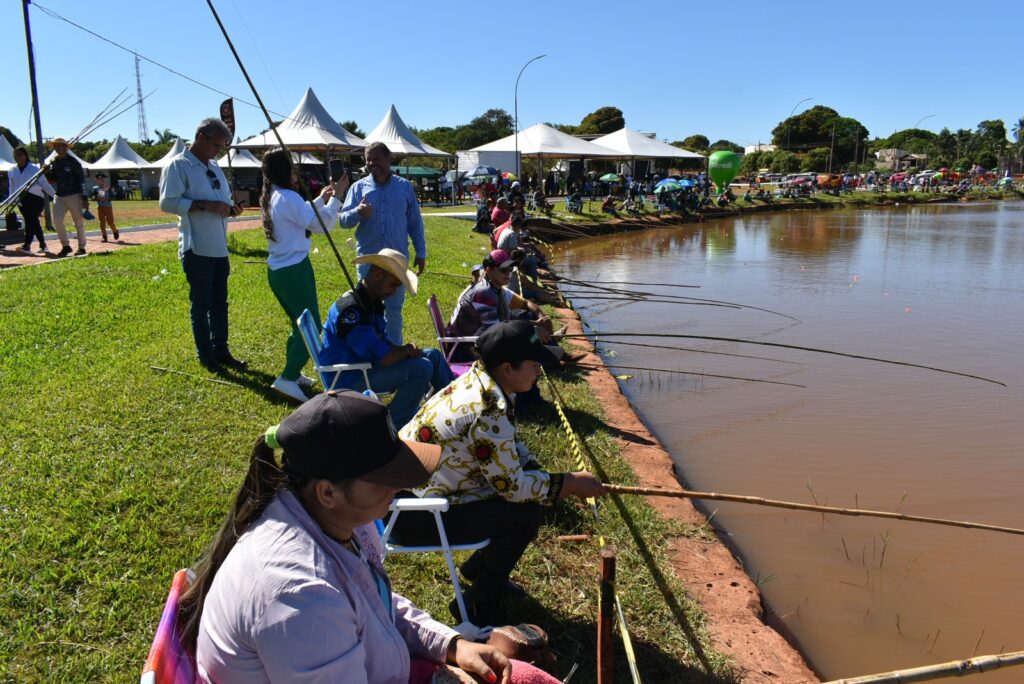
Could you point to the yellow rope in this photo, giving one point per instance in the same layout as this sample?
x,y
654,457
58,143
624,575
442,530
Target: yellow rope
x,y
577,448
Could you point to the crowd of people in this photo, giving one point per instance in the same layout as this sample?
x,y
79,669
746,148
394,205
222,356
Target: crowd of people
x,y
292,588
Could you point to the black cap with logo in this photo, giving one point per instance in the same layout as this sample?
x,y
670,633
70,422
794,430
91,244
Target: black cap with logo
x,y
341,435
513,342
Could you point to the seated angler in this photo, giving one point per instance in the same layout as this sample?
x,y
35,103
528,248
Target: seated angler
x,y
355,332
490,302
495,485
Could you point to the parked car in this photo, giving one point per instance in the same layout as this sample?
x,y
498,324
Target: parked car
x,y
830,181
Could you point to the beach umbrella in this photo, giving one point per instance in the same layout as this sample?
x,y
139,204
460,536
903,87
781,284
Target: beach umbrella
x,y
611,178
686,183
665,182
508,175
667,186
482,171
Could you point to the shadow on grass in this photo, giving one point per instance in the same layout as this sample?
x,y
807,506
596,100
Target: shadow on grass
x,y
584,423
238,248
573,640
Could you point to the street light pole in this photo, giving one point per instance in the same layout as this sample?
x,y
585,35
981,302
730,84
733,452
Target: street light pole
x,y
791,112
516,100
915,128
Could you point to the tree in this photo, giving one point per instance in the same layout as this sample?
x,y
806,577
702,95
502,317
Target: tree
x,y
726,145
694,143
751,163
784,162
489,126
815,160
602,121
11,138
353,128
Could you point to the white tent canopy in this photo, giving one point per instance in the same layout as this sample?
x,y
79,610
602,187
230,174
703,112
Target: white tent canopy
x,y
308,127
53,155
6,155
119,157
162,162
402,142
633,145
549,143
240,159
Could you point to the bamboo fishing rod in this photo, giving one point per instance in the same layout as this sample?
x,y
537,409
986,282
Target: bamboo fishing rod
x,y
692,349
288,153
792,505
627,298
609,364
954,668
781,345
629,282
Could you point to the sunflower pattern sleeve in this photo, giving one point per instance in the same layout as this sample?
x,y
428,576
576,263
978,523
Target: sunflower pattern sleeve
x,y
480,457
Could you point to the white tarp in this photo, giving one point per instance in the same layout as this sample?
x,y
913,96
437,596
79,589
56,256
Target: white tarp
x,y
240,159
633,145
119,157
177,148
402,142
6,155
308,127
550,143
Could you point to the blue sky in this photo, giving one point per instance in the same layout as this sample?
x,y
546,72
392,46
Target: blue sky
x,y
727,70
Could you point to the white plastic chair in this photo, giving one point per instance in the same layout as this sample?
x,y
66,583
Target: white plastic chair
x,y
436,506
311,338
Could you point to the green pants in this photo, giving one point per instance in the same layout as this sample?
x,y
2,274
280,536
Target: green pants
x,y
295,288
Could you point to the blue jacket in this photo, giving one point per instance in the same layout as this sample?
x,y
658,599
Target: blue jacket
x,y
354,333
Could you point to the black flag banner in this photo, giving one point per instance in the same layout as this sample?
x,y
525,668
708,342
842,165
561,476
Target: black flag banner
x,y
227,115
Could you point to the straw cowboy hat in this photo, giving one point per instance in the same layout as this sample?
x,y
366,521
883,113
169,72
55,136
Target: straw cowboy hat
x,y
395,263
59,141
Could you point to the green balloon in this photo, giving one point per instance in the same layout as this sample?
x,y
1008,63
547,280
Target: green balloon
x,y
723,166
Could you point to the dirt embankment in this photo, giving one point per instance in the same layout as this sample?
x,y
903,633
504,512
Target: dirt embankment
x,y
710,572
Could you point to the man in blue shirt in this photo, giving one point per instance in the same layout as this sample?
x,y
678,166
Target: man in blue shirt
x,y
356,332
385,212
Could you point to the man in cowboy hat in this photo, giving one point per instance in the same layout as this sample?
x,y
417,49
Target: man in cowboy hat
x,y
68,178
383,209
356,332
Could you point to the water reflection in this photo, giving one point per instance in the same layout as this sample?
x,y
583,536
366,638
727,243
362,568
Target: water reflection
x,y
938,285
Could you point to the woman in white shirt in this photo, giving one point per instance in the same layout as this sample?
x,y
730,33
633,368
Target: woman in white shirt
x,y
32,201
288,222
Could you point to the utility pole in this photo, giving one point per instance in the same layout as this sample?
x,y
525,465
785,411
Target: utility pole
x,y
40,149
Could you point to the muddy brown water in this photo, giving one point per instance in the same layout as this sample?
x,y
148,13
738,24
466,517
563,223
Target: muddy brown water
x,y
940,286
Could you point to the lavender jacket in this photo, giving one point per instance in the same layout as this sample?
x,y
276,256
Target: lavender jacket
x,y
289,604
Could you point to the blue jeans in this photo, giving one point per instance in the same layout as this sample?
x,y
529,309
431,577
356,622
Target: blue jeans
x,y
208,295
392,310
409,379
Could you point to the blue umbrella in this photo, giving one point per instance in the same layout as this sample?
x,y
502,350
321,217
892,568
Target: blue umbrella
x,y
667,185
482,171
663,182
686,183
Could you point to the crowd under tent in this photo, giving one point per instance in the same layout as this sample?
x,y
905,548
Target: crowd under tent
x,y
400,139
542,142
633,145
308,128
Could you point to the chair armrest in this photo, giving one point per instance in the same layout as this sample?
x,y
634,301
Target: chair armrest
x,y
344,367
458,339
428,503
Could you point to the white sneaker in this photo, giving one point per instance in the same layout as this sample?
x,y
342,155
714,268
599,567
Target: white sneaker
x,y
305,382
289,389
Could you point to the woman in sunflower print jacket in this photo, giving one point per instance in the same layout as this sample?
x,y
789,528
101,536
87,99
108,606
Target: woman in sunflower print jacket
x,y
495,485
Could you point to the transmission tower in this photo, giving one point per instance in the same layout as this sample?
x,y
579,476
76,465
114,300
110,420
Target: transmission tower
x,y
143,130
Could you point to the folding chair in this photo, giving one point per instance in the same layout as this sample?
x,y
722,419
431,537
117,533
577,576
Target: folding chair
x,y
169,662
436,506
311,338
444,341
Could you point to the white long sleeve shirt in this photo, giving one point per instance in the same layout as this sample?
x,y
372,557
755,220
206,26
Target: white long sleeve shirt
x,y
18,177
292,217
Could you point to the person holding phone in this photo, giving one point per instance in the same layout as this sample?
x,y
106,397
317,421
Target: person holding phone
x,y
289,223
193,187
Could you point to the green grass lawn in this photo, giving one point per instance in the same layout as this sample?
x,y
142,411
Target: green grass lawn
x,y
116,475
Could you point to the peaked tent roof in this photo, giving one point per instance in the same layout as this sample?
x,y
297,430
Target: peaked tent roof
x,y
393,132
240,159
550,143
308,127
85,165
120,156
630,143
6,155
177,148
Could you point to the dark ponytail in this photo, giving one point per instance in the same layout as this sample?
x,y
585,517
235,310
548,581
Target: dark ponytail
x,y
277,170
262,482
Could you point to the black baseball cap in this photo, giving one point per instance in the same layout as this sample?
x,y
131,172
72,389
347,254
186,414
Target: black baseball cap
x,y
513,342
341,435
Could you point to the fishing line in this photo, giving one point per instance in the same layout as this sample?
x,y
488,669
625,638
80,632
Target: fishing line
x,y
690,349
781,345
608,363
